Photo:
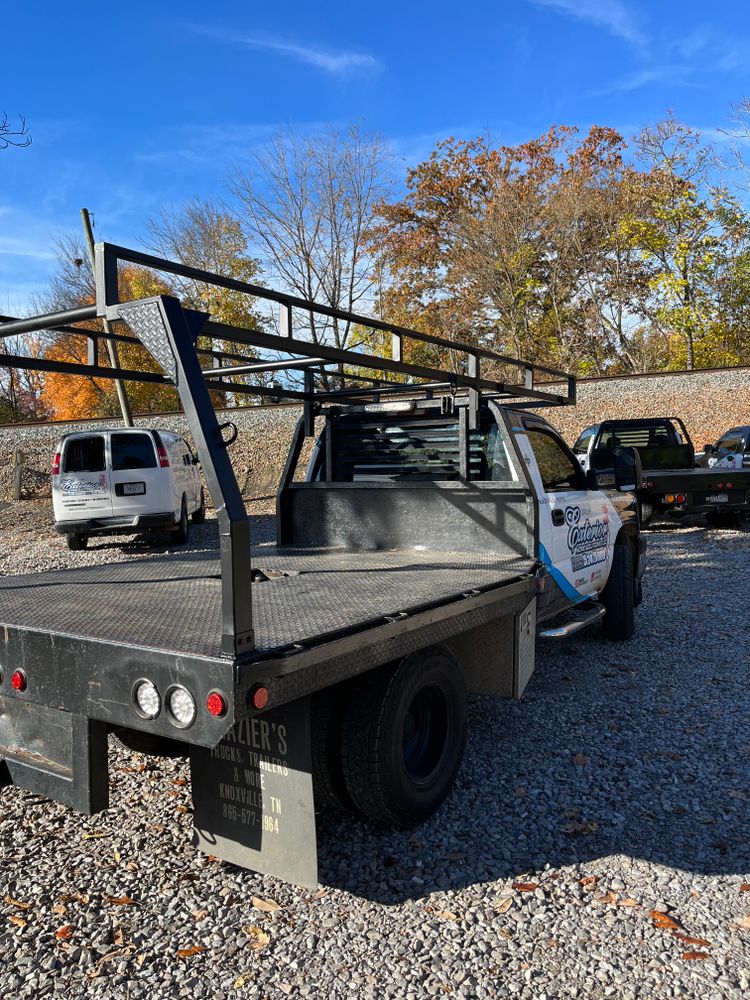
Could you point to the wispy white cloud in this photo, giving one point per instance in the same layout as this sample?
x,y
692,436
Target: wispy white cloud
x,y
676,76
335,62
612,15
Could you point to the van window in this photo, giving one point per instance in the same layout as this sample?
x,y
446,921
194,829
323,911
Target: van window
x,y
132,451
84,454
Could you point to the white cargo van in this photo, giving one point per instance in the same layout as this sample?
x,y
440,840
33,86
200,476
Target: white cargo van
x,y
124,481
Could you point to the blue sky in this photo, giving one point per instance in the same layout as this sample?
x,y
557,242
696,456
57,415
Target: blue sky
x,y
136,105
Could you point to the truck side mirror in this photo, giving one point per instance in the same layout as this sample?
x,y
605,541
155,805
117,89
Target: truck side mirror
x,y
628,470
601,460
708,449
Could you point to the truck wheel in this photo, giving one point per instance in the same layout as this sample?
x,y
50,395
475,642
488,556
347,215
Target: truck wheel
x,y
183,526
618,595
327,712
199,516
77,542
403,738
150,743
722,519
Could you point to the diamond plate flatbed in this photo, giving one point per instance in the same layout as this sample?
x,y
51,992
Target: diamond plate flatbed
x,y
172,603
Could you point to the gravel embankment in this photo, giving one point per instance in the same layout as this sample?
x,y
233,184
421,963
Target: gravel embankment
x,y
617,791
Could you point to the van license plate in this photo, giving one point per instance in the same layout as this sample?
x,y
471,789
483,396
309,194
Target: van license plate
x,y
133,489
717,498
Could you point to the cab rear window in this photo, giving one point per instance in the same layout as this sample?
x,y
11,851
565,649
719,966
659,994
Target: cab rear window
x,y
84,454
132,451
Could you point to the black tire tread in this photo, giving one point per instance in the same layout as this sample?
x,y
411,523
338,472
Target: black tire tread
x,y
618,595
364,744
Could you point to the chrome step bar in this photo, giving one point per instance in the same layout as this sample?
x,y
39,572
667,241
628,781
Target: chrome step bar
x,y
584,617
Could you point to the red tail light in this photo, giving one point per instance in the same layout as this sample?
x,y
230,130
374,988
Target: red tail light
x,y
258,697
161,451
729,486
56,465
216,703
18,680
680,498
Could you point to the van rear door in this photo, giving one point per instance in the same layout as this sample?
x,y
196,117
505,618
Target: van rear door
x,y
136,476
83,489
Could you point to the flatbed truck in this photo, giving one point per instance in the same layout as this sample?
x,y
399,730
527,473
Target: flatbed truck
x,y
433,532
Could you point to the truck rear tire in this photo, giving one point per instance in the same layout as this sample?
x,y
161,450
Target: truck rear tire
x,y
618,595
151,743
182,531
327,713
722,519
76,542
199,515
403,738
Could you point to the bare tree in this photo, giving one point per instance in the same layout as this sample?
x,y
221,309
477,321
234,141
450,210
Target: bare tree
x,y
13,134
306,204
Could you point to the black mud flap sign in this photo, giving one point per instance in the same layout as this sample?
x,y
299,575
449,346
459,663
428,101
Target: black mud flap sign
x,y
253,796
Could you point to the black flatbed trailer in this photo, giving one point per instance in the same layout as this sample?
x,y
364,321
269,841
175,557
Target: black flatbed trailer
x,y
373,568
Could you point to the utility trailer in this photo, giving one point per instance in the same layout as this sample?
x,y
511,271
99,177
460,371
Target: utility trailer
x,y
430,534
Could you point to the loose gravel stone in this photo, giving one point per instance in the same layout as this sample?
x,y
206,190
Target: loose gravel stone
x,y
653,822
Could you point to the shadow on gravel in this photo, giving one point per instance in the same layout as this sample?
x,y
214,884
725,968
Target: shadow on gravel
x,y
639,749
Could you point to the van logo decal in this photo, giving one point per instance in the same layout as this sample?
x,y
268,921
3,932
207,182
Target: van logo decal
x,y
588,541
78,487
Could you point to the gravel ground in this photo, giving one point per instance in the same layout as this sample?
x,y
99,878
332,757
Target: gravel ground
x,y
595,845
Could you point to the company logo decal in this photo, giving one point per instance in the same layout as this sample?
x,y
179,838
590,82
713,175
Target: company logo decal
x,y
79,487
588,541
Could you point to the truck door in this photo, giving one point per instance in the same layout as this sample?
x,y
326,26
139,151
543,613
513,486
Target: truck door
x,y
83,488
576,525
137,480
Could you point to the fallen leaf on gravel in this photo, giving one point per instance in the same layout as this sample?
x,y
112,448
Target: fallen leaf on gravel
x,y
258,937
120,900
663,921
691,940
525,886
195,949
18,921
266,905
446,914
118,937
589,880
240,982
628,902
605,899
745,887
503,905
581,759
17,902
96,835
74,897
117,856
199,914
64,933
60,910
691,956
180,781
745,922
320,893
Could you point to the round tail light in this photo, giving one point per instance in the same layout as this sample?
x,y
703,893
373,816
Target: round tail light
x,y
216,703
18,680
181,707
146,699
258,697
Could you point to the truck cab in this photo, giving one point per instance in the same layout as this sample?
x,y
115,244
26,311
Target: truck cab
x,y
528,495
